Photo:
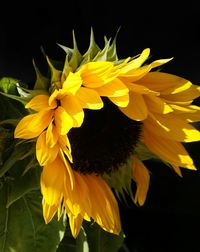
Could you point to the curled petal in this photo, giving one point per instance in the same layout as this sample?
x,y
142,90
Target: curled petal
x,y
52,182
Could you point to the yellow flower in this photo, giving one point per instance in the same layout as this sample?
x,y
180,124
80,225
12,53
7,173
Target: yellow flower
x,y
155,118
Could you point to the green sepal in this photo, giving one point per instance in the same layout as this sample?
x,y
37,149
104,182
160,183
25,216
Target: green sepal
x,y
92,50
76,57
42,82
121,180
143,152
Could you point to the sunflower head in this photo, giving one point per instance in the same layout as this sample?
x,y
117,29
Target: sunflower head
x,y
95,119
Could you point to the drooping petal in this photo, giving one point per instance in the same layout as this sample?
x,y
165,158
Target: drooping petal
x,y
104,205
74,109
52,182
168,150
38,103
89,98
64,144
75,223
136,109
72,83
69,175
44,153
77,199
63,121
49,211
33,125
171,127
141,177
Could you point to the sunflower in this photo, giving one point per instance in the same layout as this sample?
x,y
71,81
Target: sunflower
x,y
94,122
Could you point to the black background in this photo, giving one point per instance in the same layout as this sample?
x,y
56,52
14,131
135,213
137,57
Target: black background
x,y
170,218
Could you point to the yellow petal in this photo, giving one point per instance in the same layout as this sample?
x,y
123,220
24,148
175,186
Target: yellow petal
x,y
51,135
137,74
74,109
64,143
135,63
187,95
52,181
63,121
38,103
136,109
189,113
104,205
77,200
72,83
32,125
138,88
168,150
177,170
89,98
164,83
141,177
69,175
157,105
75,223
45,154
115,88
171,127
55,96
121,101
49,211
95,74
66,149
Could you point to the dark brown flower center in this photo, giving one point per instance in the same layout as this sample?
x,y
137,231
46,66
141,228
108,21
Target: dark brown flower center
x,y
104,141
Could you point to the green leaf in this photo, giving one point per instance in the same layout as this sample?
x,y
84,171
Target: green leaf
x,y
22,227
15,154
102,241
10,109
22,184
79,244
